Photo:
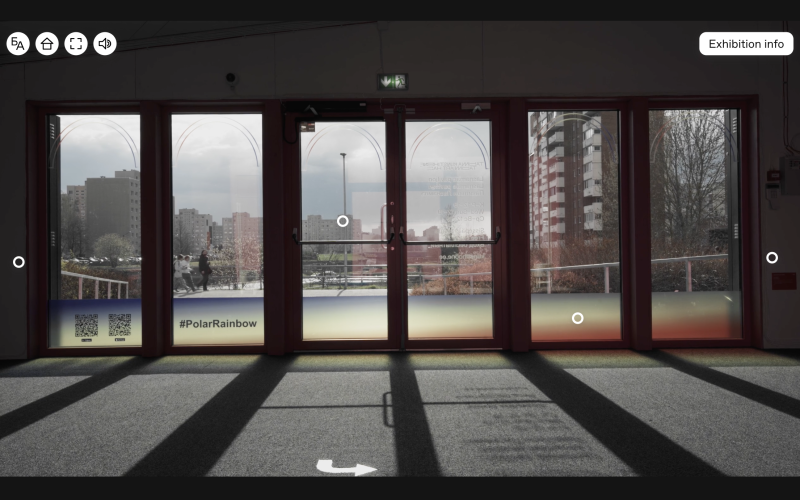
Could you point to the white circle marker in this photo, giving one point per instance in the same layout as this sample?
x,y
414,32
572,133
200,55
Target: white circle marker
x,y
22,262
75,43
47,43
104,43
577,322
18,43
772,261
346,221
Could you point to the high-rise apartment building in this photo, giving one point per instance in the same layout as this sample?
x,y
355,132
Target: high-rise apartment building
x,y
113,206
77,198
568,163
317,228
191,231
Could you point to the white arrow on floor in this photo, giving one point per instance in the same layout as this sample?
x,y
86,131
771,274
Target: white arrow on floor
x,y
327,466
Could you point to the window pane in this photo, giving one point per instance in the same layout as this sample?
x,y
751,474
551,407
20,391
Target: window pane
x,y
95,229
449,198
343,181
574,225
218,227
694,197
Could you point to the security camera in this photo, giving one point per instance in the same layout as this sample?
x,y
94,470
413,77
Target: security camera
x,y
232,79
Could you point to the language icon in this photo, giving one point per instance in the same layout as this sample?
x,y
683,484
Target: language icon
x,y
105,43
17,43
75,43
47,43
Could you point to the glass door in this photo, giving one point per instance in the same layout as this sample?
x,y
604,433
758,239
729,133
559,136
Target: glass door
x,y
449,232
343,235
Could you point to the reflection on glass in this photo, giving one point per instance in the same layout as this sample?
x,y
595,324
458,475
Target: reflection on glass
x,y
218,229
574,225
343,182
96,227
694,207
448,198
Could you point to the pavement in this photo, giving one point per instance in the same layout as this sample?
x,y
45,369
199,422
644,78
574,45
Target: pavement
x,y
676,412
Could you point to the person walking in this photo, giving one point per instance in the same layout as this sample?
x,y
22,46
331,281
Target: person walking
x,y
205,269
186,272
177,275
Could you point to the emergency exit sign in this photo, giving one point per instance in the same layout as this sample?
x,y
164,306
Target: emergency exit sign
x,y
393,81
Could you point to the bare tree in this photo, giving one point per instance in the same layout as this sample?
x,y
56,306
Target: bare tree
x,y
73,228
181,237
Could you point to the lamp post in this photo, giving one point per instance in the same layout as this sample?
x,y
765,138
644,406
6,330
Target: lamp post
x,y
344,200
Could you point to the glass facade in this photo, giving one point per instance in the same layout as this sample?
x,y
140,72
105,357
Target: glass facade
x,y
573,193
94,214
446,228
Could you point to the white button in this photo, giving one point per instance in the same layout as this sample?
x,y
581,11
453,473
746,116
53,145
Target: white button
x,y
739,43
75,43
18,43
47,43
105,43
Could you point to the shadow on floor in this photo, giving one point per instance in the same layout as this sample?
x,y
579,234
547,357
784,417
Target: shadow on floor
x,y
645,450
749,390
194,447
41,408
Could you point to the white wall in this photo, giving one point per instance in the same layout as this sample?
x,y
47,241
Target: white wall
x,y
469,59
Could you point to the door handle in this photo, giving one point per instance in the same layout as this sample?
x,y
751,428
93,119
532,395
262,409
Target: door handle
x,y
341,242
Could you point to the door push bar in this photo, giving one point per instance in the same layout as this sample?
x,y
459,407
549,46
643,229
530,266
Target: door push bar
x,y
465,242
343,242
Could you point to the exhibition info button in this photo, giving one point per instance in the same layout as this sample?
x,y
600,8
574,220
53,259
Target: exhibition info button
x,y
770,43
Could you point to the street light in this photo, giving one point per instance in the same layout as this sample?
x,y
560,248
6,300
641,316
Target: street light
x,y
344,199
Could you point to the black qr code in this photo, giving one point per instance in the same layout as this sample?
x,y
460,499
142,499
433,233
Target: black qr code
x,y
86,325
119,325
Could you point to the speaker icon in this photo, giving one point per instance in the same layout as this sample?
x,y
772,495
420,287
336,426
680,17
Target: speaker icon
x,y
105,43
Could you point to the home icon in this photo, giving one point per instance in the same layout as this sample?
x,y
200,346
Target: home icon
x,y
46,44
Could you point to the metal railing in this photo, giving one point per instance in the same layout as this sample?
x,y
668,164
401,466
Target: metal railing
x,y
607,266
548,270
97,281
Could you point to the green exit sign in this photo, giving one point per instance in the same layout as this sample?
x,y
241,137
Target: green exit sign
x,y
393,81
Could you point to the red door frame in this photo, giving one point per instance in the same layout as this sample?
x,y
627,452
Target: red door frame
x,y
626,209
451,110
509,143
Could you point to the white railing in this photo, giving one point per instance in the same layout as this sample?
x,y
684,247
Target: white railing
x,y
607,266
97,281
606,271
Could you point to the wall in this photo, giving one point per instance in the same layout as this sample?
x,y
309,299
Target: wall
x,y
469,59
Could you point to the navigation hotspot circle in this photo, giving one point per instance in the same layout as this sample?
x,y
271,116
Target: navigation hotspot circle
x,y
774,258
21,262
576,321
18,43
340,223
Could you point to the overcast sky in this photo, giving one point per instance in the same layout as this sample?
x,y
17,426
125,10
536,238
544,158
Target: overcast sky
x,y
216,170
95,146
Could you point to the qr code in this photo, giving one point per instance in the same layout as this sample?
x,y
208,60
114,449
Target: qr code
x,y
119,325
86,325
